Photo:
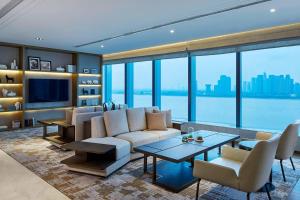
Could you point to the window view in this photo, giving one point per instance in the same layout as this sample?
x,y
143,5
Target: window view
x,y
216,82
174,87
142,84
118,83
270,88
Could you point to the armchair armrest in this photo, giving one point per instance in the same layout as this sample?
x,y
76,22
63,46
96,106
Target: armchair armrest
x,y
215,173
231,153
263,135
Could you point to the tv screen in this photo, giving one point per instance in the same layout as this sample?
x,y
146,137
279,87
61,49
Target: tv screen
x,y
48,90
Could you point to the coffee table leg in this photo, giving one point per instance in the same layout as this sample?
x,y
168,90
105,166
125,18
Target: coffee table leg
x,y
145,163
154,170
192,162
44,131
219,150
206,156
232,143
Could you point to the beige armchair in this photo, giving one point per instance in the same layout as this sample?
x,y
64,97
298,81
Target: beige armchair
x,y
286,146
246,171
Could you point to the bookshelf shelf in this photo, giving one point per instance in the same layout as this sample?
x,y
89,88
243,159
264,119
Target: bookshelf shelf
x,y
18,81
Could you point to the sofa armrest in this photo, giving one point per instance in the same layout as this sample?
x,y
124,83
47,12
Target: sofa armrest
x,y
215,173
231,153
79,120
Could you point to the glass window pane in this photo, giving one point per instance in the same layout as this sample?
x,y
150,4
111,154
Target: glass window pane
x,y
271,88
174,87
142,83
216,82
118,83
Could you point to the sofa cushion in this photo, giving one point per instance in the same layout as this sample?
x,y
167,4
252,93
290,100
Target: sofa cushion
x,y
115,122
170,132
98,127
150,109
136,119
156,121
122,146
139,138
168,114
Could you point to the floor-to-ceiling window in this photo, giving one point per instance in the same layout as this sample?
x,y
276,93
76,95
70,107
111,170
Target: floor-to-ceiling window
x,y
215,93
142,84
174,87
118,83
270,88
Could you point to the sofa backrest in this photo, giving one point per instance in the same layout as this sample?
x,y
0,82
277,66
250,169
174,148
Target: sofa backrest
x,y
98,129
136,118
116,122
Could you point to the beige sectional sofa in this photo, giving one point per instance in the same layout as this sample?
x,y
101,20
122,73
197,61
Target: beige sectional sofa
x,y
126,129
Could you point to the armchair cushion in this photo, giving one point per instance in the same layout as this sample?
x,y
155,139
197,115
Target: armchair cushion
x,y
217,173
231,153
136,119
263,135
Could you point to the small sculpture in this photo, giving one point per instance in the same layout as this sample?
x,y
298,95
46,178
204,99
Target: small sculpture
x,y
8,79
89,82
60,69
85,92
3,66
11,94
83,82
13,64
18,106
4,92
95,82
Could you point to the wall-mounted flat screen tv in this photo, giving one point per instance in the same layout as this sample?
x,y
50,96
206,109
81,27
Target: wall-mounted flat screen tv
x,y
48,90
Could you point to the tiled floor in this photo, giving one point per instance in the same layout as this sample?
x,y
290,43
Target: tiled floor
x,y
17,182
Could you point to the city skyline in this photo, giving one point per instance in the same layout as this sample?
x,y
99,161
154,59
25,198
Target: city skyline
x,y
262,85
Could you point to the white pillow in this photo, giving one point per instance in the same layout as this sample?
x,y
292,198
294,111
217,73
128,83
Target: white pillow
x,y
115,122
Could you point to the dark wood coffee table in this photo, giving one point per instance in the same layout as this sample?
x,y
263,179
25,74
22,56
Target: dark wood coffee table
x,y
65,134
174,173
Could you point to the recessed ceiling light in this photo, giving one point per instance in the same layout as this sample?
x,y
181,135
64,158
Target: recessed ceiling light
x,y
39,38
102,46
172,31
272,10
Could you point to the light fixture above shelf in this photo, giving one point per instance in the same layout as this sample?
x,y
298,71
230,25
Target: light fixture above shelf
x,y
89,85
89,75
89,96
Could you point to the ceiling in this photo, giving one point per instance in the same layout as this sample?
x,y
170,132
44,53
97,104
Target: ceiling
x,y
65,24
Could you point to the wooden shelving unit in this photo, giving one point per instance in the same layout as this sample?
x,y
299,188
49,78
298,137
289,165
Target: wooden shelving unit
x,y
56,110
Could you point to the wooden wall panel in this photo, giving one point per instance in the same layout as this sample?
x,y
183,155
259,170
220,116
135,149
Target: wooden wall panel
x,y
249,37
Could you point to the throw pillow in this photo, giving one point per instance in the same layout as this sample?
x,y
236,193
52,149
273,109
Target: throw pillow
x,y
168,114
156,121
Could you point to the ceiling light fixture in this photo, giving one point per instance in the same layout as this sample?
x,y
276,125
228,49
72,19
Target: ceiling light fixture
x,y
272,10
39,38
102,46
172,31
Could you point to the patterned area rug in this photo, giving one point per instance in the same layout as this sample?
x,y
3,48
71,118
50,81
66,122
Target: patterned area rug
x,y
39,156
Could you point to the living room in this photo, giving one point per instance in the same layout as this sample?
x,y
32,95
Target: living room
x,y
141,100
